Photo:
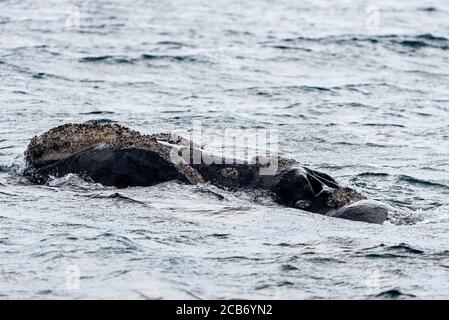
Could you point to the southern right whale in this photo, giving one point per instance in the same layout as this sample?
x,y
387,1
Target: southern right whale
x,y
114,155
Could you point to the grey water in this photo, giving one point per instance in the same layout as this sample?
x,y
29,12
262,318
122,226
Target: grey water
x,y
358,89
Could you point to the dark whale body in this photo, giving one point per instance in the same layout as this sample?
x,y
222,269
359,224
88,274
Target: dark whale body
x,y
117,156
121,168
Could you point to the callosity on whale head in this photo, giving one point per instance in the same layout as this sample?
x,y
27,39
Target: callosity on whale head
x,y
110,154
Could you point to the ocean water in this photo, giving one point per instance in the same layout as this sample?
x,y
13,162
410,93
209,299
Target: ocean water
x,y
358,89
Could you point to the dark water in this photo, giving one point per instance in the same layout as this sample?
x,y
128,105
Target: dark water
x,y
367,103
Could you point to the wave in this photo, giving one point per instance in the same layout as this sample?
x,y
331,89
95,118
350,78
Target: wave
x,y
426,40
118,197
176,58
279,91
409,41
7,194
383,125
394,294
21,69
74,182
12,168
439,214
282,47
382,251
117,59
220,235
119,243
216,195
288,267
404,178
428,9
96,112
235,258
403,247
107,59
363,88
372,174
173,44
100,121
421,182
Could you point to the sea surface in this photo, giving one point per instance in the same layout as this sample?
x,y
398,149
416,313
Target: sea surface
x,y
358,89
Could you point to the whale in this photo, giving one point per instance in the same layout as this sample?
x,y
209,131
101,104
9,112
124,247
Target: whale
x,y
114,155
